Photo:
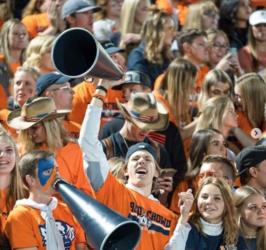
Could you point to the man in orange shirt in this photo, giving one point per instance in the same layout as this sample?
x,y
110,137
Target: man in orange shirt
x,y
193,46
134,200
85,90
41,221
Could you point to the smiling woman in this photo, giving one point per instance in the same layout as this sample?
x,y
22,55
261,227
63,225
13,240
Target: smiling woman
x,y
212,224
10,183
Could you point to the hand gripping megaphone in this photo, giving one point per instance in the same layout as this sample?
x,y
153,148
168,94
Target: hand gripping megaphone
x,y
76,53
105,229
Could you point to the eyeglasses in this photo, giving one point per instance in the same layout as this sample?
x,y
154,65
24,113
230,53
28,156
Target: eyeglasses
x,y
220,46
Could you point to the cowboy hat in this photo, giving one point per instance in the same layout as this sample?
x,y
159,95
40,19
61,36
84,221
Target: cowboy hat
x,y
34,111
145,111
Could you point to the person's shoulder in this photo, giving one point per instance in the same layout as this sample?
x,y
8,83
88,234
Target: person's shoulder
x,y
20,212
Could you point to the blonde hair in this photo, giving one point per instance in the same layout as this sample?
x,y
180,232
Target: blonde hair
x,y
212,113
211,78
253,94
38,46
56,137
127,19
195,13
240,196
230,231
4,42
15,189
178,81
152,33
30,70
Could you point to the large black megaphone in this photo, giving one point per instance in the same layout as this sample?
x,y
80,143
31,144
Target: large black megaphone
x,y
105,229
76,53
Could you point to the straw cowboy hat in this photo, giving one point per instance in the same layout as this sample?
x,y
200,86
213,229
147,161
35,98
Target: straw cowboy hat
x,y
34,111
145,111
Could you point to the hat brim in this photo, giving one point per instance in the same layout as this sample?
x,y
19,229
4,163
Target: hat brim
x,y
14,120
160,124
114,50
92,8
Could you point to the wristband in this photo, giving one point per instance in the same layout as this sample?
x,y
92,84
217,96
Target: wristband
x,y
100,97
102,88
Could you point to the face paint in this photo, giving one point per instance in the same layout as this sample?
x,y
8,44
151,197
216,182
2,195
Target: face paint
x,y
45,176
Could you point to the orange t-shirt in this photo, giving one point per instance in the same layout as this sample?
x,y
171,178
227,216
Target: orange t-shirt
x,y
3,209
36,23
258,3
156,221
3,98
201,73
26,228
183,186
70,165
244,123
82,97
182,8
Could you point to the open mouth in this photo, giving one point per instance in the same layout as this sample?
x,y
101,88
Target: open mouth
x,y
141,171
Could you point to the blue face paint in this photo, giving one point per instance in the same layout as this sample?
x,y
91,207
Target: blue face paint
x,y
43,165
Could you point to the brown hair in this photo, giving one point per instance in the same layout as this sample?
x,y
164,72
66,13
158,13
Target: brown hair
x,y
230,231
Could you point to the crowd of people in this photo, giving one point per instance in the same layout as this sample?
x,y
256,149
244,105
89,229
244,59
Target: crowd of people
x,y
178,144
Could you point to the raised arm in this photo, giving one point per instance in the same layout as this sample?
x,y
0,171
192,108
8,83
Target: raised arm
x,y
95,162
180,236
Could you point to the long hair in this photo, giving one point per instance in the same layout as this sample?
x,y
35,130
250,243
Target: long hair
x,y
32,8
211,78
37,47
240,196
56,137
127,19
4,42
252,44
212,113
198,149
195,13
152,33
253,92
15,190
230,232
176,87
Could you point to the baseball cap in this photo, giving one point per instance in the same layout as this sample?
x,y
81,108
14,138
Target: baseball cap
x,y
110,47
141,146
73,6
249,157
257,17
134,77
47,80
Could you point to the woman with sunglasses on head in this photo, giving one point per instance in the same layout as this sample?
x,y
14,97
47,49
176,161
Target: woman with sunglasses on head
x,y
251,216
